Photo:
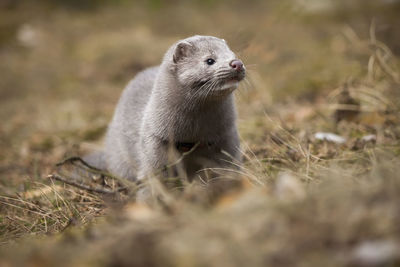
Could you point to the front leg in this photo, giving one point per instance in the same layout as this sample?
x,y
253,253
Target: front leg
x,y
230,152
153,157
226,176
159,160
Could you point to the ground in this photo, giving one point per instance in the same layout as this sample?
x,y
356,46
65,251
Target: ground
x,y
315,68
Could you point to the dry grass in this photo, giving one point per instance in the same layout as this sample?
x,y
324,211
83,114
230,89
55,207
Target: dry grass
x,y
302,201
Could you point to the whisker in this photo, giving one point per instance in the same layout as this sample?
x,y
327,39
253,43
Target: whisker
x,y
199,94
223,72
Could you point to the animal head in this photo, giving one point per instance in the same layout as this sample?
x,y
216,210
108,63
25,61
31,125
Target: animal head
x,y
205,66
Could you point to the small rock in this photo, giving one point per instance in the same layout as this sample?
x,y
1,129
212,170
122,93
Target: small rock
x,y
365,141
369,138
376,253
27,35
331,137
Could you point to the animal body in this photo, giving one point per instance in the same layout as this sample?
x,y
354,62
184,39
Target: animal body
x,y
181,108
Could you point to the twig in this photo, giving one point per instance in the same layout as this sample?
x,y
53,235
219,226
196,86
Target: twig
x,y
184,154
385,67
73,159
374,48
81,186
381,61
95,170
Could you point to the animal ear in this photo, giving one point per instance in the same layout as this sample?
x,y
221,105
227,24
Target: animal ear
x,y
182,50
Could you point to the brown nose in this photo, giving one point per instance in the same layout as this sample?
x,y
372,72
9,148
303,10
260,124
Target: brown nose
x,y
236,64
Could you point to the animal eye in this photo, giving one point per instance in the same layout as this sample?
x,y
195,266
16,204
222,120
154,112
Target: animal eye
x,y
210,61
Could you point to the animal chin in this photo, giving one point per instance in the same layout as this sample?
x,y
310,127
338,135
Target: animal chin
x,y
226,88
230,84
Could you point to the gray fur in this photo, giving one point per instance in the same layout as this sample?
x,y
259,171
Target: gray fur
x,y
182,100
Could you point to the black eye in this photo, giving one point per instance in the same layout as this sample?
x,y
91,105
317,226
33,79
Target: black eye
x,y
210,61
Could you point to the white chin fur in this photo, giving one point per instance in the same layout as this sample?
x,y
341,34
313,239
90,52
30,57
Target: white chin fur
x,y
230,85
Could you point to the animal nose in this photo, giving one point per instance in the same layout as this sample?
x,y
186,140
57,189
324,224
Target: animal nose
x,y
237,64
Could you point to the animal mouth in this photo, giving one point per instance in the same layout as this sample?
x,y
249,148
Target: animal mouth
x,y
233,80
236,76
221,84
228,86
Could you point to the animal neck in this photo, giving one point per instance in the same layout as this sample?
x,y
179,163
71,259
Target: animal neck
x,y
185,121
